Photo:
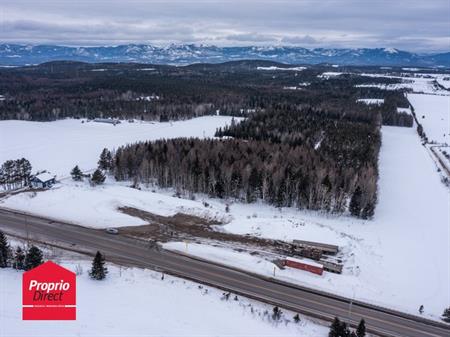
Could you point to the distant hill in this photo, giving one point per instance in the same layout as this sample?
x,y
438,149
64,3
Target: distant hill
x,y
14,54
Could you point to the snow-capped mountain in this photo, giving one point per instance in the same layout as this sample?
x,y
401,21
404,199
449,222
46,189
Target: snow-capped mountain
x,y
13,54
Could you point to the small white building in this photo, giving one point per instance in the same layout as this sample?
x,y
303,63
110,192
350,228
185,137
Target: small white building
x,y
43,180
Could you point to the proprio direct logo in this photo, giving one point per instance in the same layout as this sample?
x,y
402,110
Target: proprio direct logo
x,y
49,293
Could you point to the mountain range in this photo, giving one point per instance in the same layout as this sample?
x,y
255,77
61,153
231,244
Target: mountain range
x,y
18,55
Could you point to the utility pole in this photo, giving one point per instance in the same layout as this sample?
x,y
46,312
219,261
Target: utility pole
x,y
26,229
350,305
350,309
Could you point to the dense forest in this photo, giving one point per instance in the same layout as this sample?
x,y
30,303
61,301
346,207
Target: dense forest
x,y
58,90
303,157
306,141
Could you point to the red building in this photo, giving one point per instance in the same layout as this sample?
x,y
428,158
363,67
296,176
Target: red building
x,y
306,265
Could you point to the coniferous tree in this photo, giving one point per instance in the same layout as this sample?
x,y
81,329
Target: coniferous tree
x,y
297,318
98,177
446,315
105,160
4,251
219,189
99,270
344,330
19,259
276,313
355,202
335,328
25,170
76,173
15,173
368,211
33,258
339,329
420,130
361,329
280,198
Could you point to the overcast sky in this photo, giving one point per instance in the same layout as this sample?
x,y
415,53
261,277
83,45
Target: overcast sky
x,y
415,25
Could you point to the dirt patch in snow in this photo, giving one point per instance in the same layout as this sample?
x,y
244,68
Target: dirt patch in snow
x,y
183,226
192,228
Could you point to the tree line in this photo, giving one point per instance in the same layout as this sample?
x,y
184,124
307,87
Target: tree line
x,y
280,174
306,156
19,258
26,259
71,89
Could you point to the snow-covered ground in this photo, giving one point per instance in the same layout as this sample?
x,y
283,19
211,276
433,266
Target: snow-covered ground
x,y
169,307
282,69
244,260
444,81
418,83
59,146
80,203
369,101
329,74
433,112
399,259
404,110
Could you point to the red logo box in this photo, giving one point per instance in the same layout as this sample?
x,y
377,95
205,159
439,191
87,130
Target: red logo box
x,y
49,293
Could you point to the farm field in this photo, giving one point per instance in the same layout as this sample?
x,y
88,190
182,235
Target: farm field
x,y
433,112
59,146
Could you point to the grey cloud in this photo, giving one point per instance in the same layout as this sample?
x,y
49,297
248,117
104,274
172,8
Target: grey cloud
x,y
306,39
251,37
408,24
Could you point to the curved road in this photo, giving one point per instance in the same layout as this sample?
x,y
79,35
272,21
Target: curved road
x,y
131,252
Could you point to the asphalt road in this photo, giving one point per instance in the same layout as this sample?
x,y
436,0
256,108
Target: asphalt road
x,y
131,252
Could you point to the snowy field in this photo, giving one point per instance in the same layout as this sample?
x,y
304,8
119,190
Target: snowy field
x,y
387,260
327,75
169,307
418,83
272,68
97,206
59,146
433,112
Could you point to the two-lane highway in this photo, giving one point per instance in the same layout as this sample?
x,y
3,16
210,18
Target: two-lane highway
x,y
131,252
